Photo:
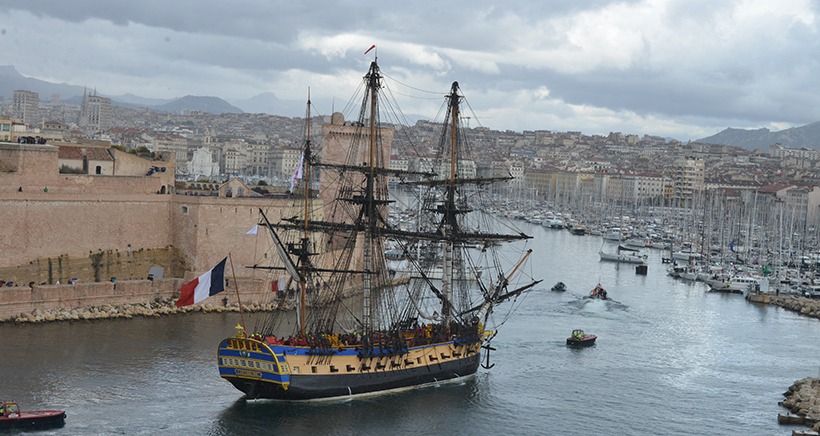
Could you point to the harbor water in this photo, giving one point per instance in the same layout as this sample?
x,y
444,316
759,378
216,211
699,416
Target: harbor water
x,y
670,359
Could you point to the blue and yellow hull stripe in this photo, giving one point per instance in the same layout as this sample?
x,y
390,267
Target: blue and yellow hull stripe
x,y
250,359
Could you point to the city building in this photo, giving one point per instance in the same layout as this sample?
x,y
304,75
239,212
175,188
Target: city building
x,y
25,106
688,182
284,161
11,129
95,115
202,165
259,159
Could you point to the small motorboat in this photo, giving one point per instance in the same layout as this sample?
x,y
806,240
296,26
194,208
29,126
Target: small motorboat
x,y
580,339
12,417
559,287
598,292
578,230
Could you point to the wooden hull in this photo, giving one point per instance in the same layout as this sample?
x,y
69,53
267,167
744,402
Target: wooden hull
x,y
291,373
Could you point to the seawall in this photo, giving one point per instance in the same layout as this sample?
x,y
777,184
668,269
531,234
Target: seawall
x,y
803,400
802,305
26,303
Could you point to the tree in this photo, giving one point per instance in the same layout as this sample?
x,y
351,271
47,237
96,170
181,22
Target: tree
x,y
65,169
143,151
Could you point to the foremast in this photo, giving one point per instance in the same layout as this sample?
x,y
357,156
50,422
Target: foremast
x,y
449,222
304,252
451,231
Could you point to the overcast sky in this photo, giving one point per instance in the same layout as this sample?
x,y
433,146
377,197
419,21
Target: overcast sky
x,y
678,68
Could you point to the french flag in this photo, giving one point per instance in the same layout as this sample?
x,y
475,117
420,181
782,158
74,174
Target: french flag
x,y
202,287
278,285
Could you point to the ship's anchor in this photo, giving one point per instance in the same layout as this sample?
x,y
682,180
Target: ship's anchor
x,y
488,347
487,364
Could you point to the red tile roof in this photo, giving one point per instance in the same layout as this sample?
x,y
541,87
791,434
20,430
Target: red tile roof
x,y
98,154
70,153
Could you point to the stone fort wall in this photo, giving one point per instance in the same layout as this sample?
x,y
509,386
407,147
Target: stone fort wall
x,y
100,266
45,232
50,225
94,227
35,168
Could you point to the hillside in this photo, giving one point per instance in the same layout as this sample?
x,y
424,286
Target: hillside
x,y
269,103
807,136
211,105
11,80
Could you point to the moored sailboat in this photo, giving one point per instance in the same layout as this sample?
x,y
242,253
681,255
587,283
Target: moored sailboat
x,y
360,329
623,255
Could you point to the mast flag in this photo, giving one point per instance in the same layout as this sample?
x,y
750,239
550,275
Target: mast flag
x,y
279,284
202,287
371,48
297,174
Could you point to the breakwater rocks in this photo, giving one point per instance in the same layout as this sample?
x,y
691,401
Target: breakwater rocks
x,y
803,399
155,308
802,305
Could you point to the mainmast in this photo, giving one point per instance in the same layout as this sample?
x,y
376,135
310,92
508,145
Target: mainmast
x,y
373,84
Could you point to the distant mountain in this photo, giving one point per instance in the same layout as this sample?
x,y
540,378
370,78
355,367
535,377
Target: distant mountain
x,y
127,100
11,80
135,100
211,105
269,103
807,136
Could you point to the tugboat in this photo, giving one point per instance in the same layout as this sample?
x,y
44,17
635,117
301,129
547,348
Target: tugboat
x,y
12,417
580,339
559,287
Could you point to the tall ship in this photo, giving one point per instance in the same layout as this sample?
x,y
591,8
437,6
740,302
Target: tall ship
x,y
356,326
